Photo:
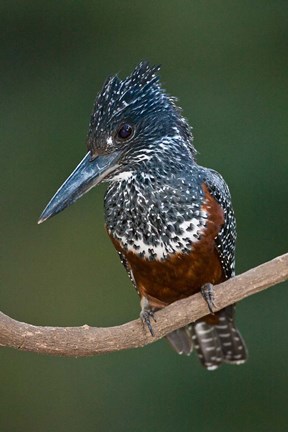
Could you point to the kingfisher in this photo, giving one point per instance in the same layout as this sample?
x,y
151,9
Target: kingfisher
x,y
170,219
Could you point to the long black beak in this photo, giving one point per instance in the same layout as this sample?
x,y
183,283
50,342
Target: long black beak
x,y
85,176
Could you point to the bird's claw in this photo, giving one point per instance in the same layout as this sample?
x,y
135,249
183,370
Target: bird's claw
x,y
145,316
207,292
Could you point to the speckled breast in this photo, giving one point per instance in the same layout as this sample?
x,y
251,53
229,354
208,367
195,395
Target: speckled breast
x,y
174,258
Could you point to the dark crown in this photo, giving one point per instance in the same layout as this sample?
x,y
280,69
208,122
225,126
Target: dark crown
x,y
138,100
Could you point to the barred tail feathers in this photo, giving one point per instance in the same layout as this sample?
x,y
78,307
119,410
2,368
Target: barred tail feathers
x,y
215,344
232,344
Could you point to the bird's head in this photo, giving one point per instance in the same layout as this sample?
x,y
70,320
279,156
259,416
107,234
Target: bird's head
x,y
130,119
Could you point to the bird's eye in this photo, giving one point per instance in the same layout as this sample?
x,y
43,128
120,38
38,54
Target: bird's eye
x,y
125,132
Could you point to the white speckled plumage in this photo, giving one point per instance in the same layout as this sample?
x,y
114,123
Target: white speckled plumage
x,y
167,216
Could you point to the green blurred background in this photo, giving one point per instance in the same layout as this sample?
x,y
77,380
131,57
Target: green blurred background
x,y
227,63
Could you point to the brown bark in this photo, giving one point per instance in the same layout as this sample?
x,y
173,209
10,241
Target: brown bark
x,y
88,341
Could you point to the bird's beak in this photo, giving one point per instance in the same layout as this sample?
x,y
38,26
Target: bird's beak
x,y
86,175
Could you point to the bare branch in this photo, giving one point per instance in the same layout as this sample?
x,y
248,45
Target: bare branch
x,y
88,341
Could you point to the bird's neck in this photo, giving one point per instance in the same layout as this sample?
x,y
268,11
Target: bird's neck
x,y
169,156
149,169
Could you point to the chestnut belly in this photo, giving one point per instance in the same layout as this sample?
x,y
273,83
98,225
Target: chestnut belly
x,y
180,275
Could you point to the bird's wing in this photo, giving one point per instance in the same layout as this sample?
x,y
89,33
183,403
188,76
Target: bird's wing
x,y
127,267
226,238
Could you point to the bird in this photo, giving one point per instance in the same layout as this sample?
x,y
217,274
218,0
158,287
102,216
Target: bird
x,y
170,220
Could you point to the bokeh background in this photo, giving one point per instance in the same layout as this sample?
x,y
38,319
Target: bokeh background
x,y
227,62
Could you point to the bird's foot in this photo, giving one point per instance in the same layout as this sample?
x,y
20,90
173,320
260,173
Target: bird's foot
x,y
147,313
207,291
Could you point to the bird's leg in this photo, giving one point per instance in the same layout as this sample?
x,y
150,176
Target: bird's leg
x,y
146,313
207,291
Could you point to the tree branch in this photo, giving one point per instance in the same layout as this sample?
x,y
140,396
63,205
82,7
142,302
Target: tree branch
x,y
88,341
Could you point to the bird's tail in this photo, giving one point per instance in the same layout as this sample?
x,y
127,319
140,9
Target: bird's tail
x,y
215,343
